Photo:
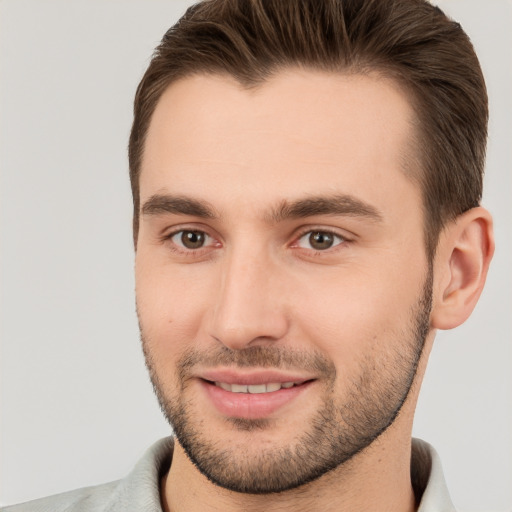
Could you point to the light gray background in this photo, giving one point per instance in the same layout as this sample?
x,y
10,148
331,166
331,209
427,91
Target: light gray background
x,y
76,405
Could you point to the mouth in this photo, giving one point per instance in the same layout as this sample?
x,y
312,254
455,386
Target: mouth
x,y
255,389
253,396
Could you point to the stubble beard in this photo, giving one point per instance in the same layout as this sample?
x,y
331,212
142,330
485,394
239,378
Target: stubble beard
x,y
340,429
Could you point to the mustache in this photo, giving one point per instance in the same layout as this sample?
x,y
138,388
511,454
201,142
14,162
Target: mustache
x,y
256,357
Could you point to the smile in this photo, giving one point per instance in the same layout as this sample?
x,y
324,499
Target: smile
x,y
256,398
255,388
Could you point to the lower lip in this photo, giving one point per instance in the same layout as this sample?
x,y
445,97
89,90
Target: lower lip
x,y
251,406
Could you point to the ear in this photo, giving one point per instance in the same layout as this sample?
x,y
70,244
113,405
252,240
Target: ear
x,y
463,256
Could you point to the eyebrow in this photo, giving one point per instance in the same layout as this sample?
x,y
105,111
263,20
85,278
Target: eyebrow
x,y
179,205
340,204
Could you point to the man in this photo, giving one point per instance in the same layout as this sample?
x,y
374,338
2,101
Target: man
x,y
306,180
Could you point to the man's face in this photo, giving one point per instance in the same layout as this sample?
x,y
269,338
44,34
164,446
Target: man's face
x,y
283,290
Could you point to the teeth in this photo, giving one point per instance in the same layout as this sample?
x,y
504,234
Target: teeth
x,y
254,388
260,388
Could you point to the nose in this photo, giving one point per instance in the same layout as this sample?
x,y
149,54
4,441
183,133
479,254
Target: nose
x,y
249,308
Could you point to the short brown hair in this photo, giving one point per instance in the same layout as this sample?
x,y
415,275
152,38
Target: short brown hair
x,y
410,41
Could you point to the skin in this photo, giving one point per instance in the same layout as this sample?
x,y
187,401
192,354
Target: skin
x,y
257,281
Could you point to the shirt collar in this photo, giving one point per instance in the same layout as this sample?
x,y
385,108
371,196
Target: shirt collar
x,y
428,479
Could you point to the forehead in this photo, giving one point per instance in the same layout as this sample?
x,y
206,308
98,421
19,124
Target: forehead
x,y
299,132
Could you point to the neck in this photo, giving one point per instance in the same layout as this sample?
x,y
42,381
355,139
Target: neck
x,y
376,479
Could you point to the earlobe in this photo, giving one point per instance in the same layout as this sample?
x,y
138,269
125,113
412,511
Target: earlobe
x,y
465,251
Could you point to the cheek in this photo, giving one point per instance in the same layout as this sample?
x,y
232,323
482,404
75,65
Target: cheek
x,y
170,304
354,315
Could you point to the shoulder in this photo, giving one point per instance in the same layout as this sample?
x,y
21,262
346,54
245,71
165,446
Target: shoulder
x,y
139,491
85,499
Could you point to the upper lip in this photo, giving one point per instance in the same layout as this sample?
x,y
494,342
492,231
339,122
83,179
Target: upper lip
x,y
252,377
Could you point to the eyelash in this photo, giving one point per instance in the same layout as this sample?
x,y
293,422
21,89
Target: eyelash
x,y
183,250
343,240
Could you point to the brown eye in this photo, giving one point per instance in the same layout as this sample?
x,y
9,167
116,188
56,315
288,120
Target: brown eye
x,y
319,240
190,239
